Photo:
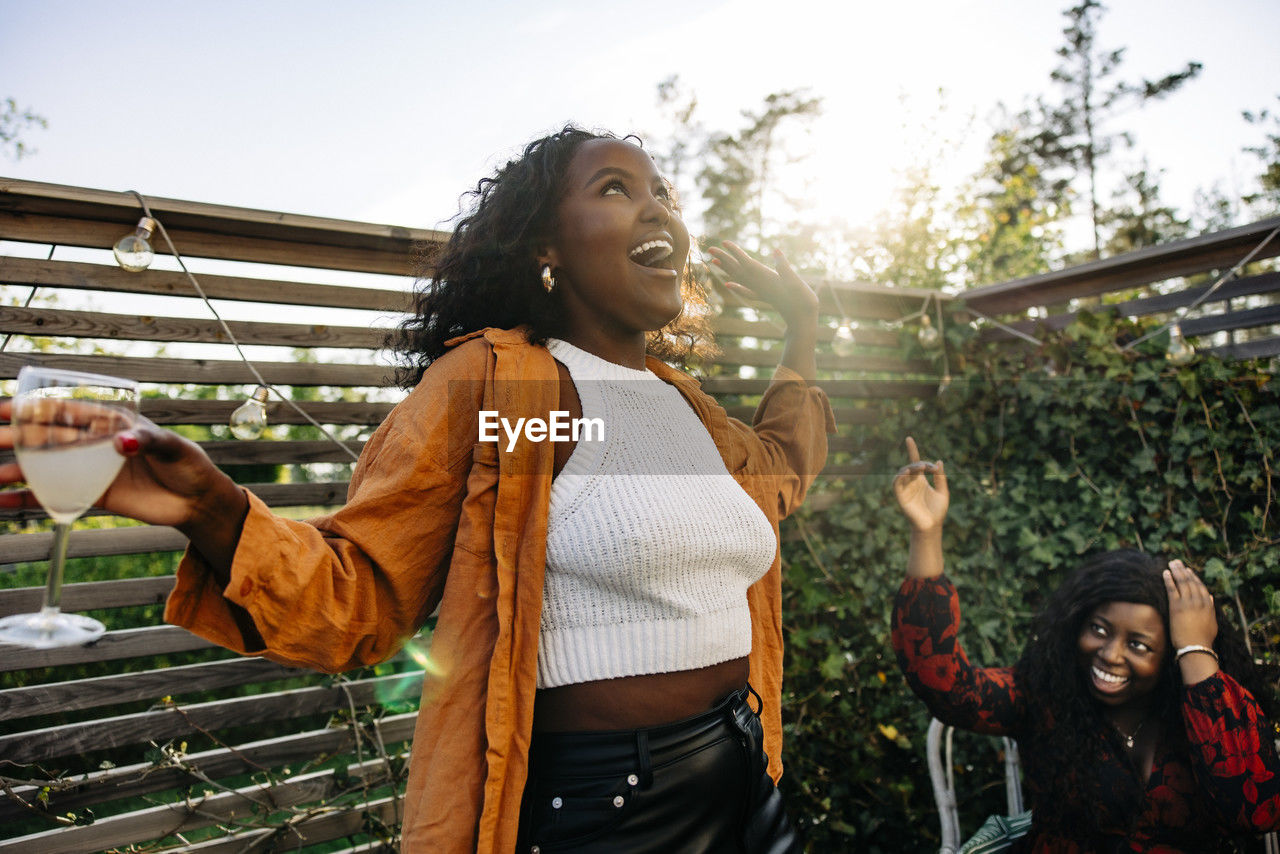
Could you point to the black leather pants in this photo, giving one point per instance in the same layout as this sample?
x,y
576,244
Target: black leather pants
x,y
697,786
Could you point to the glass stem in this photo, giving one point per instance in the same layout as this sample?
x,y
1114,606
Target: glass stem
x,y
53,587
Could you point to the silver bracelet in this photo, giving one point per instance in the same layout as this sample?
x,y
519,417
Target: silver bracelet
x,y
1195,647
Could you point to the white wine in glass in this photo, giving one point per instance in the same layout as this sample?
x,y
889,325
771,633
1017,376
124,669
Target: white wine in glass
x,y
64,425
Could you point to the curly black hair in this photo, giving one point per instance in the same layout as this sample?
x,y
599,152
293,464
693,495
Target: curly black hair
x,y
1061,760
487,274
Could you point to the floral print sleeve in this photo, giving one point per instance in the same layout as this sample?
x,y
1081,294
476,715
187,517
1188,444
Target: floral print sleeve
x,y
926,618
1235,748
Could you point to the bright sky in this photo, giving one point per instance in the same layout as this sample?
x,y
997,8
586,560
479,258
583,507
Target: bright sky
x,y
387,110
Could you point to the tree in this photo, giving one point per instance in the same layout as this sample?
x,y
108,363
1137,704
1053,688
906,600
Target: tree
x,y
13,122
1012,221
1075,138
1139,218
737,177
1267,198
687,138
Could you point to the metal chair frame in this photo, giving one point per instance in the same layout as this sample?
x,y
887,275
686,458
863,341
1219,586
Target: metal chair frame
x,y
942,775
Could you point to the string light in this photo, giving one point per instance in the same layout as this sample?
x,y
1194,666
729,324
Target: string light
x,y
250,418
843,341
1179,352
133,251
928,335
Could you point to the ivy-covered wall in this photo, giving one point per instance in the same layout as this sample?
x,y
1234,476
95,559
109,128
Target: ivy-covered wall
x,y
1053,454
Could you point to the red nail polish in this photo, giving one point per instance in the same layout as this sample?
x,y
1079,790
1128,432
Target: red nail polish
x,y
129,444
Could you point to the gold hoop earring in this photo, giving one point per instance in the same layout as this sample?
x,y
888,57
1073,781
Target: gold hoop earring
x,y
548,281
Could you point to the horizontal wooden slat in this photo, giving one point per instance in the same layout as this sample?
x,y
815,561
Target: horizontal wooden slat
x,y
131,687
41,745
317,494
1254,285
183,411
869,389
1261,348
125,643
121,593
71,231
844,414
131,327
131,781
826,361
1220,250
1262,283
76,275
236,452
867,336
326,827
20,548
201,811
204,371
123,207
1247,319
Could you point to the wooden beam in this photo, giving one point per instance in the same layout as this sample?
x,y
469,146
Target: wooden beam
x,y
205,371
1218,251
31,210
73,275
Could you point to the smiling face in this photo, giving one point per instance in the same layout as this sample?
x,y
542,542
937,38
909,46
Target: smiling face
x,y
1122,648
619,249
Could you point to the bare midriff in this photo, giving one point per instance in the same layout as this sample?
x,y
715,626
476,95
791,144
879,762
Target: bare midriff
x,y
636,702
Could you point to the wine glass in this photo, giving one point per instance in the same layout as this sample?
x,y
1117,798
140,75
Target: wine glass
x,y
63,425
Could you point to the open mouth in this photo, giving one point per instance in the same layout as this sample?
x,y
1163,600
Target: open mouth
x,y
654,254
1108,683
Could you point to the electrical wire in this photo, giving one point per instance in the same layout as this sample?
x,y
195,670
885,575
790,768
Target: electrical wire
x,y
253,369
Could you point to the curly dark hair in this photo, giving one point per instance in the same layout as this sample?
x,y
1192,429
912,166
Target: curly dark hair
x,y
487,274
1070,732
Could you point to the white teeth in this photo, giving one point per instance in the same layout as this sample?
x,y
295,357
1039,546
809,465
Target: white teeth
x,y
1104,676
651,244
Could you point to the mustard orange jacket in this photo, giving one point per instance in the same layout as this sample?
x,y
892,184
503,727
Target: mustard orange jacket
x,y
437,519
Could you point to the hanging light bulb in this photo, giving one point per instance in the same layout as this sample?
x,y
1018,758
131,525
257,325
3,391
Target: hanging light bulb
x,y
133,251
1179,352
250,418
842,342
928,335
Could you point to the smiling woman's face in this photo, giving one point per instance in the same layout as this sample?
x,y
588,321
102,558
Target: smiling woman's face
x,y
1122,647
620,247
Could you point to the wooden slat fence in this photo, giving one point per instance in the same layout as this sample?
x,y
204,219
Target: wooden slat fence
x,y
164,741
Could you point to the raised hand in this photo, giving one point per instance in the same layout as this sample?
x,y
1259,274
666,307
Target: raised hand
x,y
794,300
925,506
1192,621
782,288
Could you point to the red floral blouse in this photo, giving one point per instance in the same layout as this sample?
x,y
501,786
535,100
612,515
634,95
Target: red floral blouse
x,y
1224,779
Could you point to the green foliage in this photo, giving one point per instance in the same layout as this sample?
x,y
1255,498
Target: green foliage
x,y
1267,199
15,121
1111,448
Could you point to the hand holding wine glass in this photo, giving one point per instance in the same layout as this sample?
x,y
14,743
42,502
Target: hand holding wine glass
x,y
63,427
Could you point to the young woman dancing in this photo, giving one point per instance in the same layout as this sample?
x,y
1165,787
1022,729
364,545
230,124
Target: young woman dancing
x,y
602,603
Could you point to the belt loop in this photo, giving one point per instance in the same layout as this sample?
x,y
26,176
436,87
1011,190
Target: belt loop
x,y
642,753
759,701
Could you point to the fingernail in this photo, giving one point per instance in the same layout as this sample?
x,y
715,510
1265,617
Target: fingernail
x,y
129,443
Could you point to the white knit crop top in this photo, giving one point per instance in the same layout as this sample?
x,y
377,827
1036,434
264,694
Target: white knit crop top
x,y
651,544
